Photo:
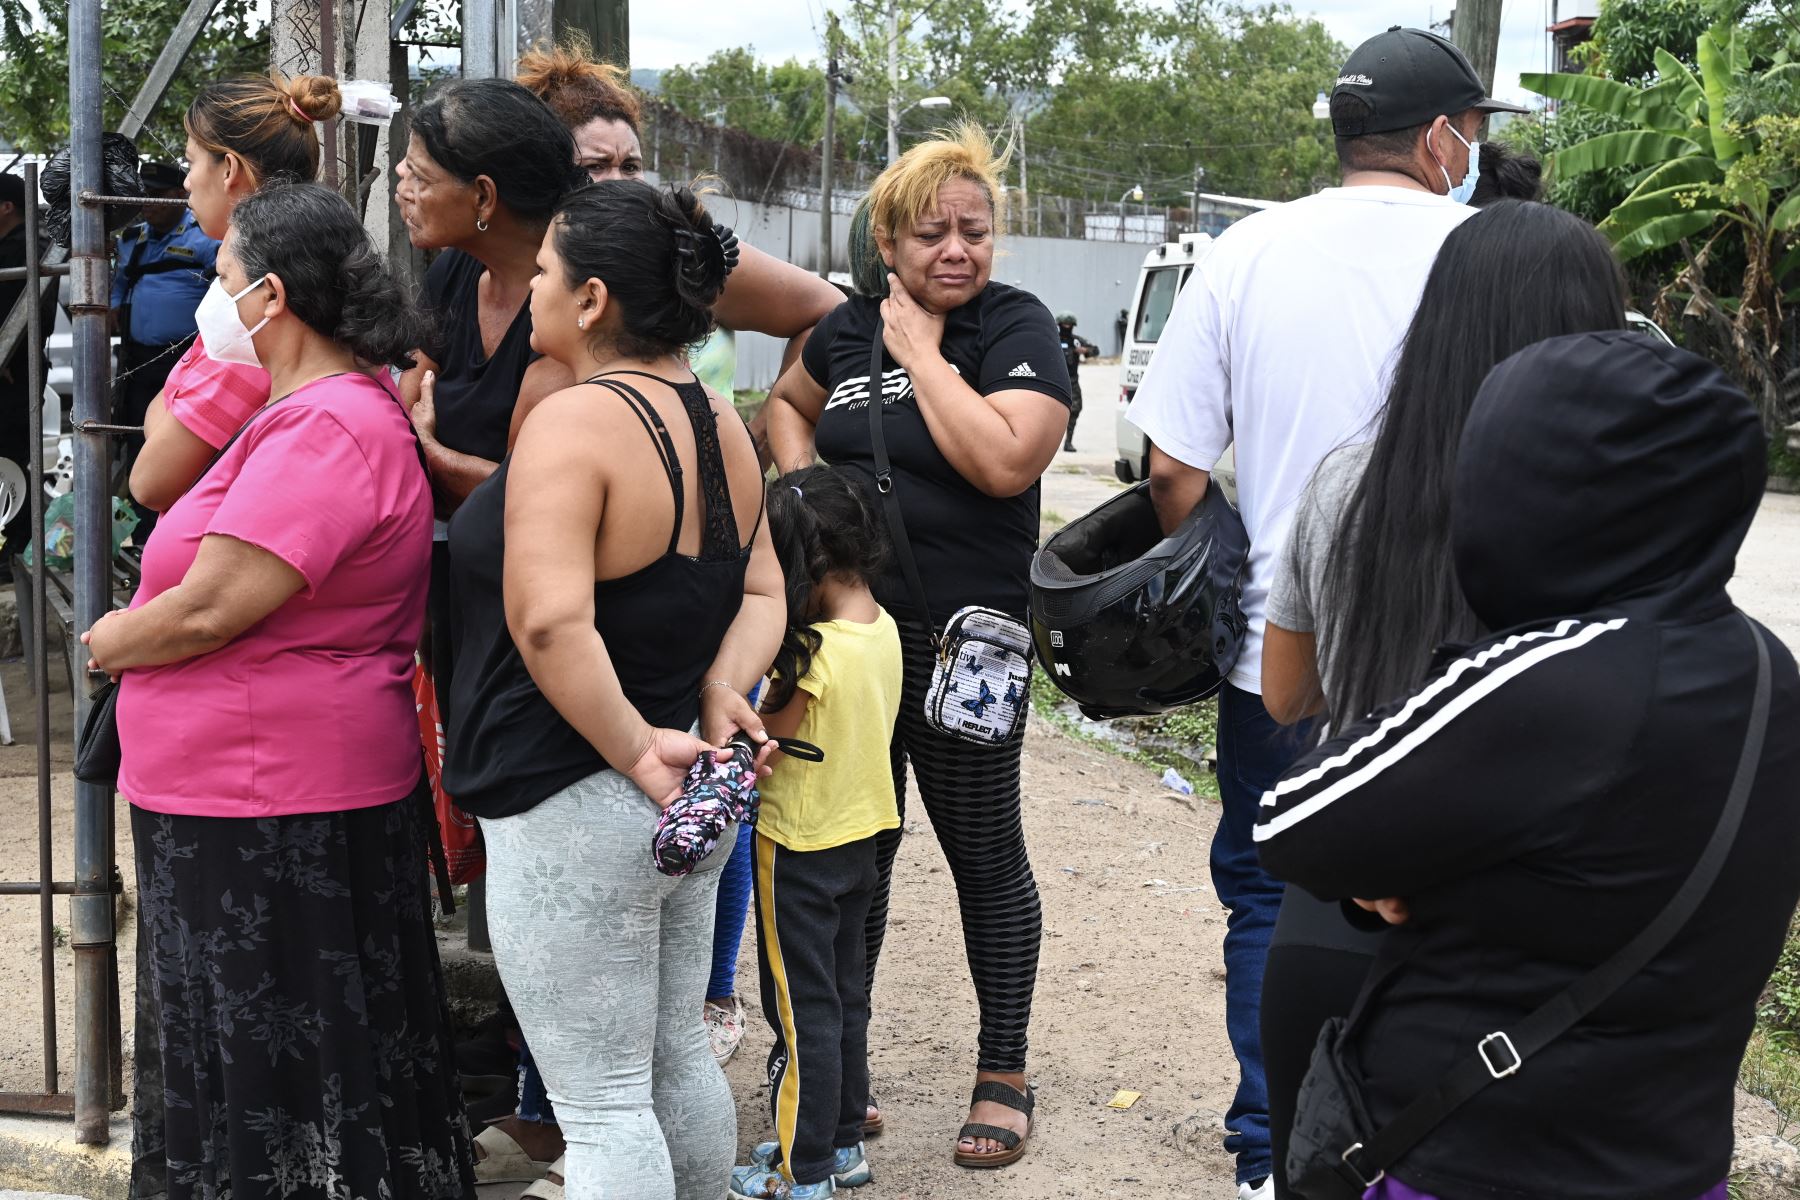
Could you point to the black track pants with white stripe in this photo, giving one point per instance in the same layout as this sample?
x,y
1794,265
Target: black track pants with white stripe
x,y
972,795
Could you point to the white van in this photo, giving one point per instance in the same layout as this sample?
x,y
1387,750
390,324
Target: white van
x,y
1165,270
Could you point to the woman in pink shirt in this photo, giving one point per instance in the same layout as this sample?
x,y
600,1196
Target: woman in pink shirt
x,y
242,133
270,749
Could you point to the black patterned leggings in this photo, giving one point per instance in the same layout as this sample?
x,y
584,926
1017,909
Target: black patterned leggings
x,y
971,793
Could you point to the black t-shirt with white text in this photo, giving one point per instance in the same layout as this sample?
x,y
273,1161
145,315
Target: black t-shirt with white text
x,y
971,548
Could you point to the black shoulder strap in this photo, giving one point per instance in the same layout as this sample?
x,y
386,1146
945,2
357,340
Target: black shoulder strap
x,y
1501,1053
653,425
884,483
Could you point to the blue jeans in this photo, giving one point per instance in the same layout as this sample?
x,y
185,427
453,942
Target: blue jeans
x,y
728,921
534,1099
1253,753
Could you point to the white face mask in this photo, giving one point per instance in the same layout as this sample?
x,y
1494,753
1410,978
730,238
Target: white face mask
x,y
221,328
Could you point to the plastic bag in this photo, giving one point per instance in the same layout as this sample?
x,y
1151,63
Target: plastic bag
x,y
367,102
59,532
464,852
119,162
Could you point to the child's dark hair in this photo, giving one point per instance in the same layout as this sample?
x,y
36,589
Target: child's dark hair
x,y
824,522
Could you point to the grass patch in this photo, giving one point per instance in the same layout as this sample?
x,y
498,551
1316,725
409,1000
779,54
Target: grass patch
x,y
749,402
1771,1067
1783,461
1772,1070
1051,519
1181,739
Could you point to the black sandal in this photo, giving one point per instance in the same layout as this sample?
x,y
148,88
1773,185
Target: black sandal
x,y
1012,1098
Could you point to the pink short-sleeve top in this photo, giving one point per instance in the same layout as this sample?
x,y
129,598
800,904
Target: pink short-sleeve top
x,y
310,709
213,399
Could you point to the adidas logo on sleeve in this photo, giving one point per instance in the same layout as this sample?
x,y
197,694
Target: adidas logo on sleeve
x,y
1023,371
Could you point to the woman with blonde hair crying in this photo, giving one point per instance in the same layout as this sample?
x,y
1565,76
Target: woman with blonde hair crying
x,y
975,399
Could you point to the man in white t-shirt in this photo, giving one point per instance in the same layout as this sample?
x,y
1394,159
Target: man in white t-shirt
x,y
1281,343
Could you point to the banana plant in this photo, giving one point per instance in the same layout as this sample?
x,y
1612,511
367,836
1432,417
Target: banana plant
x,y
1694,172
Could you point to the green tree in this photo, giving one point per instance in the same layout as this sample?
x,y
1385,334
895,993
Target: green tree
x,y
1220,90
34,66
784,102
1705,159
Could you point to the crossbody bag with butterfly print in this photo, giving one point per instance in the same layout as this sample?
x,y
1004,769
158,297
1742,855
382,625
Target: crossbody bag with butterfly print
x,y
983,672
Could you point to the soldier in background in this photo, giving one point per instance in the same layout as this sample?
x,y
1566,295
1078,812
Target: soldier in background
x,y
1075,348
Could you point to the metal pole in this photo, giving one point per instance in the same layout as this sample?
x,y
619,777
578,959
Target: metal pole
x,y
91,909
828,148
480,40
893,66
34,381
328,67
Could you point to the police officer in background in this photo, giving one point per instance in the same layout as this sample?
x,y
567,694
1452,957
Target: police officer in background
x,y
1074,349
165,266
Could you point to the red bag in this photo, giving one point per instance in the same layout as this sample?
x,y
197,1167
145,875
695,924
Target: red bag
x,y
464,854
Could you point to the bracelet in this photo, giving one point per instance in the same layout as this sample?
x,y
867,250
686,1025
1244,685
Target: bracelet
x,y
713,683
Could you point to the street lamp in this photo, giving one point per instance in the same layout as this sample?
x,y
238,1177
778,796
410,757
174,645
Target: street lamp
x,y
894,116
1322,108
1135,192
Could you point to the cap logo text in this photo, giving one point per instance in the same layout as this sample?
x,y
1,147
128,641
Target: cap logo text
x,y
1355,81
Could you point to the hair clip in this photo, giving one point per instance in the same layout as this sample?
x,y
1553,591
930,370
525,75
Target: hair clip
x,y
728,247
797,491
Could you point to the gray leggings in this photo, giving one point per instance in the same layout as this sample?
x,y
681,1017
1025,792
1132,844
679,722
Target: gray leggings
x,y
606,961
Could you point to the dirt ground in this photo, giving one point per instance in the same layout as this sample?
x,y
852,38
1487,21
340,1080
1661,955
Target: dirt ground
x,y
1129,997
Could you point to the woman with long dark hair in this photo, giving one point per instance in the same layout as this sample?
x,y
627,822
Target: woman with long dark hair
x,y
1366,589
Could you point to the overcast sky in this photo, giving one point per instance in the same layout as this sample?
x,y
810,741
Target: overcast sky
x,y
663,35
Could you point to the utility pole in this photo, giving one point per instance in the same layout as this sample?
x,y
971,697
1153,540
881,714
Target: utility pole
x,y
1475,28
828,148
1024,174
893,95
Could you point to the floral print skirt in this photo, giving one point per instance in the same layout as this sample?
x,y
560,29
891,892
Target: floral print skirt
x,y
304,1033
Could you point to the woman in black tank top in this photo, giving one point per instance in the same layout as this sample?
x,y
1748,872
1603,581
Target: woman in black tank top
x,y
614,588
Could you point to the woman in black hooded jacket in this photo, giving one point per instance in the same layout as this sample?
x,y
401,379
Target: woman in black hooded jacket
x,y
1534,804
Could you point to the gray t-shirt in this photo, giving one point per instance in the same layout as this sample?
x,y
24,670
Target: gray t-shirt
x,y
1297,593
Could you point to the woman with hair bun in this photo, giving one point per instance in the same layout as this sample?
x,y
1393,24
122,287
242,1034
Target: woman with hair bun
x,y
614,587
269,749
975,401
241,134
764,295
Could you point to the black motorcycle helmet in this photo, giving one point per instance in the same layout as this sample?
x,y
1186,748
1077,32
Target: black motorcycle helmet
x,y
1130,623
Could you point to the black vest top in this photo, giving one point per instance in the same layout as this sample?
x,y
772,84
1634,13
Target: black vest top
x,y
508,747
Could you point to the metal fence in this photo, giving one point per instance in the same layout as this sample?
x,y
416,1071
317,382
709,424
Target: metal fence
x,y
93,884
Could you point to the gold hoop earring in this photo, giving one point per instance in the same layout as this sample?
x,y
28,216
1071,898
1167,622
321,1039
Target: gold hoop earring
x,y
481,226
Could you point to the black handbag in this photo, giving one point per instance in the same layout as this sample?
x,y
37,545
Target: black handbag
x,y
97,749
1335,1151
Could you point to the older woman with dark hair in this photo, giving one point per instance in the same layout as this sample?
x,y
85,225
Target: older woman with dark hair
x,y
975,401
269,747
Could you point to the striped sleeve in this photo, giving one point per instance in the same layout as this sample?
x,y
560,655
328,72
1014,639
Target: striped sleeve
x,y
1468,771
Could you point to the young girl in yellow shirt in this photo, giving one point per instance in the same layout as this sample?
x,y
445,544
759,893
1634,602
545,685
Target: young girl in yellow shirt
x,y
836,684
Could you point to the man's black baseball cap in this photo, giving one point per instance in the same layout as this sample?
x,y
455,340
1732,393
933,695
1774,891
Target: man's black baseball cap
x,y
1409,77
161,176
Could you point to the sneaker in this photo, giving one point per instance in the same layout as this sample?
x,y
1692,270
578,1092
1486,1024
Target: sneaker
x,y
849,1165
1262,1189
756,1182
724,1028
